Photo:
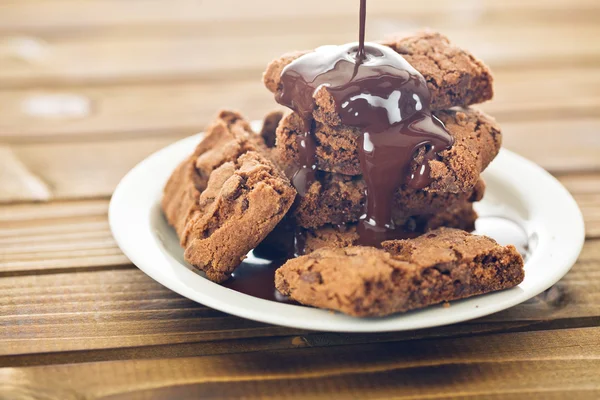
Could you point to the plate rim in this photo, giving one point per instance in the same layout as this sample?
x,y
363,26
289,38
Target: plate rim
x,y
280,313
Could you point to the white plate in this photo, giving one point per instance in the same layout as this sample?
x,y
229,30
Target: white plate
x,y
545,215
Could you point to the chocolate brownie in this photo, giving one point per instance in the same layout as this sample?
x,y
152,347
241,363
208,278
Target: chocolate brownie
x,y
461,216
442,265
339,199
228,137
454,76
243,201
225,140
181,195
477,142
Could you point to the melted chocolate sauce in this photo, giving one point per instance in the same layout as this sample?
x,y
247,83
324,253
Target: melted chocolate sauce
x,y
256,277
377,90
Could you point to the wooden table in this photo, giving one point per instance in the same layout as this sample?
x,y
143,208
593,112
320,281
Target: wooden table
x,y
89,88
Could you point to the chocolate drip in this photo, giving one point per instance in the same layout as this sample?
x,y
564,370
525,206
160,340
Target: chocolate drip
x,y
256,277
376,90
360,55
304,176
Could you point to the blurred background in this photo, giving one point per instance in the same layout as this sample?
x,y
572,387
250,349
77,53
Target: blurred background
x,y
90,87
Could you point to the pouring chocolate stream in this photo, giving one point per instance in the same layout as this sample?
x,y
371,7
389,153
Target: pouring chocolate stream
x,y
376,90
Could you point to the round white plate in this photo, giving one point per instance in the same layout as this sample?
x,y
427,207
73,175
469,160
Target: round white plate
x,y
544,214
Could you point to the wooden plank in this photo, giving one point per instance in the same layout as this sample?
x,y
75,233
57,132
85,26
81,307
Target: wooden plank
x,y
524,94
580,184
11,215
550,364
94,310
128,111
23,16
545,143
176,56
119,111
107,309
17,182
85,169
584,188
56,237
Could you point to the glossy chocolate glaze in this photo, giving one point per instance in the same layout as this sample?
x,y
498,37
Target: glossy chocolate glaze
x,y
376,90
256,276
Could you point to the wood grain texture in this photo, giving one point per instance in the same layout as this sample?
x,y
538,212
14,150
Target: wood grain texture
x,y
17,182
66,16
71,60
549,363
58,236
89,168
543,141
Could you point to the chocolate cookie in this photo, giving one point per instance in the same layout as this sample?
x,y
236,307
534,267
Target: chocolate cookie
x,y
228,137
454,76
339,199
461,216
442,265
477,141
225,140
243,201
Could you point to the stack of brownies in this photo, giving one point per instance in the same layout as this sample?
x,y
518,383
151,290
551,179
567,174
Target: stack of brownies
x,y
336,200
232,193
